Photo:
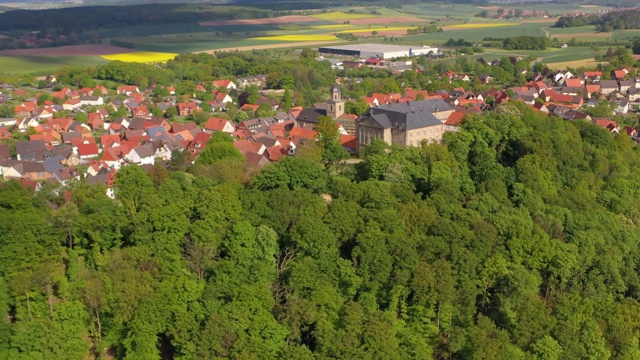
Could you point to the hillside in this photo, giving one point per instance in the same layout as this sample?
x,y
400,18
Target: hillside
x,y
515,239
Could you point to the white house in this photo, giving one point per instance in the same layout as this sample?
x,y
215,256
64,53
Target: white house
x,y
163,152
91,101
27,123
72,104
228,84
142,155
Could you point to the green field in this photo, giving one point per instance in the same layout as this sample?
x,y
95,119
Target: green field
x,y
552,55
44,65
626,34
571,30
193,46
524,29
435,11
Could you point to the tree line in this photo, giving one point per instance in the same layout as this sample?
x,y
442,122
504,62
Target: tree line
x,y
75,20
612,21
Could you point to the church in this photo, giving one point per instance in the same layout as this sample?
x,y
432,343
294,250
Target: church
x,y
333,108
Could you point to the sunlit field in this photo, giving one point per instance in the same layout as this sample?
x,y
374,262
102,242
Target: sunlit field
x,y
297,37
334,26
390,28
141,57
339,15
480,25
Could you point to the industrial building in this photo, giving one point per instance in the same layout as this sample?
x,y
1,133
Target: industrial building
x,y
380,51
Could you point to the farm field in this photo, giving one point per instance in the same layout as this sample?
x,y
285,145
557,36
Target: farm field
x,y
298,38
157,43
552,55
571,30
591,63
140,57
523,29
44,65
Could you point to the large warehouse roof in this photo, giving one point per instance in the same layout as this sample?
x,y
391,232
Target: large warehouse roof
x,y
383,48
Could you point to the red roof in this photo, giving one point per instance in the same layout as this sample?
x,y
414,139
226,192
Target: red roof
x,y
593,88
108,140
273,153
592,73
199,141
90,149
250,107
246,146
607,124
455,118
216,124
110,155
573,82
223,83
303,133
348,141
220,96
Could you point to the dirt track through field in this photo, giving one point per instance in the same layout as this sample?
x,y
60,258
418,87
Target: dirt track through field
x,y
262,21
268,46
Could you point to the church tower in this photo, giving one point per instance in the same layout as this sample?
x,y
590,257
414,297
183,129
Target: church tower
x,y
335,106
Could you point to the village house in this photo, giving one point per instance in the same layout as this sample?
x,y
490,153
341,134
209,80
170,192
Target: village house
x,y
227,84
218,124
127,90
141,155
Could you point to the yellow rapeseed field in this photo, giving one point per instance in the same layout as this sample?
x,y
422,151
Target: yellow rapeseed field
x,y
297,38
480,25
141,57
377,29
339,15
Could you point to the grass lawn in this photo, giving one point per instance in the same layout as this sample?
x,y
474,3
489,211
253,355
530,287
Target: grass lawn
x,y
23,65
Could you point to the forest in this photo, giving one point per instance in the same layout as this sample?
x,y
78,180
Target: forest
x,y
526,43
66,21
616,20
515,238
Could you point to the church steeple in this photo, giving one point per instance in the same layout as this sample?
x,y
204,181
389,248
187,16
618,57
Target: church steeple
x,y
336,94
335,106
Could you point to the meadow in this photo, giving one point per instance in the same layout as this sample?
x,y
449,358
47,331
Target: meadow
x,y
44,65
476,34
552,55
298,38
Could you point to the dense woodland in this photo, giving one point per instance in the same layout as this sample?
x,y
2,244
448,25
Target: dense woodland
x,y
66,21
617,20
517,238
